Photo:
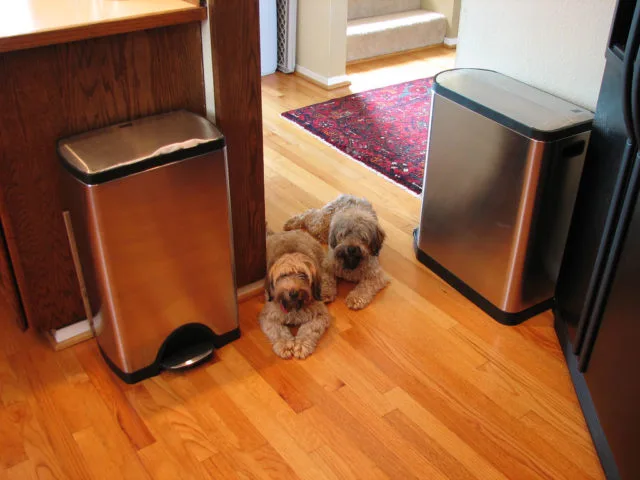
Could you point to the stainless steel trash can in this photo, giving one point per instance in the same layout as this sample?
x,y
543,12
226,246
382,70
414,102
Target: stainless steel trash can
x,y
149,219
503,164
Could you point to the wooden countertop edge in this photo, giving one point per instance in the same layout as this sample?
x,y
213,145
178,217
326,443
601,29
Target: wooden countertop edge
x,y
102,29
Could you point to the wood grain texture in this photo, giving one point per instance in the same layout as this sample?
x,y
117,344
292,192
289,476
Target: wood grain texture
x,y
52,92
9,294
236,68
101,29
419,385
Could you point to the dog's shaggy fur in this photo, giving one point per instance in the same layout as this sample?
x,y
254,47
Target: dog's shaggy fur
x,y
293,291
350,226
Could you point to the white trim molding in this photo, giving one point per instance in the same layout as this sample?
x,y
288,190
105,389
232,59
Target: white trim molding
x,y
247,292
326,82
451,41
70,335
207,69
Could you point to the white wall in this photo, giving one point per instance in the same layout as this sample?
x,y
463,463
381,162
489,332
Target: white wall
x,y
450,9
321,50
555,45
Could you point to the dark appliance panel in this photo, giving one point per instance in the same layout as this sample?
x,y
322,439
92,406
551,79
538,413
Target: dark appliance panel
x,y
614,387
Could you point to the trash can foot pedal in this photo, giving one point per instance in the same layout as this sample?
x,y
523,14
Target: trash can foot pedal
x,y
188,357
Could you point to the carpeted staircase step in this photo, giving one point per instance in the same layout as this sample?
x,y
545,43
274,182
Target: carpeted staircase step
x,y
375,8
396,32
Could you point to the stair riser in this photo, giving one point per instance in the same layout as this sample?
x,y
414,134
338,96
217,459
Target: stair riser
x,y
374,8
396,40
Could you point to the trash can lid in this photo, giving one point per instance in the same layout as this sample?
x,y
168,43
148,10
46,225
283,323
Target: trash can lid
x,y
120,150
516,105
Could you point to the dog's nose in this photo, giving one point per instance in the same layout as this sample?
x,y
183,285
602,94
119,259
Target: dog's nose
x,y
293,294
351,250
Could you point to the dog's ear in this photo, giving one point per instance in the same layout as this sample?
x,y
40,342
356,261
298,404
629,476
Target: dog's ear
x,y
316,286
377,241
313,273
333,241
268,286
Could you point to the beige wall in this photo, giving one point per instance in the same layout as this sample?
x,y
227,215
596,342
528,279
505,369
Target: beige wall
x,y
322,37
555,45
455,21
450,9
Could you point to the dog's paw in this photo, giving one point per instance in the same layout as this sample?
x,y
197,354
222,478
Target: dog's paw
x,y
303,348
328,297
356,302
293,223
284,348
329,291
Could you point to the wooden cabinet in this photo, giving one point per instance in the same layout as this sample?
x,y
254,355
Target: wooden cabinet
x,y
53,91
9,296
235,35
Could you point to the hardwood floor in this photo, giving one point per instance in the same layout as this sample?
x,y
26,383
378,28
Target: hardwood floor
x,y
419,385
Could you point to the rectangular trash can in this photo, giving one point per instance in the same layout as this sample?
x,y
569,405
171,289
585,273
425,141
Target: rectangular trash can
x,y
149,219
503,165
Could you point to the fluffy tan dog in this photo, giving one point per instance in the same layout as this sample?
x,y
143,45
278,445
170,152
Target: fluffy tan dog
x,y
350,226
293,290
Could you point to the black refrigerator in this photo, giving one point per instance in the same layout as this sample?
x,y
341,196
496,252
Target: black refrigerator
x,y
598,291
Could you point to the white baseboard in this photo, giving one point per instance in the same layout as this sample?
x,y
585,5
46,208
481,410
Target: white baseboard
x,y
326,82
70,335
249,291
451,41
65,333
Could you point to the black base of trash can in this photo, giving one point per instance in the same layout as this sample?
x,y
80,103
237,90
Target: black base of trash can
x,y
215,342
505,318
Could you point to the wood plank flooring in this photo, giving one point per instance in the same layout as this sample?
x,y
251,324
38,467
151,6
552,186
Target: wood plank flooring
x,y
419,385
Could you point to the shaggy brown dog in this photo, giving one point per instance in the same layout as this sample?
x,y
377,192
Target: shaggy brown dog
x,y
350,226
293,290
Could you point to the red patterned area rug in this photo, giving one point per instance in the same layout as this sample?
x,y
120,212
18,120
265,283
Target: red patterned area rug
x,y
386,129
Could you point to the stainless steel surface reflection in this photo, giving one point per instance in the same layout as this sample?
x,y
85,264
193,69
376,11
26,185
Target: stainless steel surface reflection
x,y
156,253
496,205
113,147
513,99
